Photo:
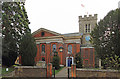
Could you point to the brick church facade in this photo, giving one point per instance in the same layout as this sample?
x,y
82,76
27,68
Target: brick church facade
x,y
67,45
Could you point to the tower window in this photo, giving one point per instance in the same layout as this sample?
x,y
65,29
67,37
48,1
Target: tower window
x,y
87,28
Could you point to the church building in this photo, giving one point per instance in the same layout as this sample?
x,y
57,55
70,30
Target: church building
x,y
67,45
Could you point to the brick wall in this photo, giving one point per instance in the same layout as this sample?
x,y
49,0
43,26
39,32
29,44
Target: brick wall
x,y
48,55
97,73
29,71
92,73
88,57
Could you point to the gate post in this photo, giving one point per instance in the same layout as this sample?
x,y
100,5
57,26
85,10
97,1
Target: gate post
x,y
49,70
73,70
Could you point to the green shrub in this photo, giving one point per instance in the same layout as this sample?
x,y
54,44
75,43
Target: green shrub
x,y
28,50
56,61
78,60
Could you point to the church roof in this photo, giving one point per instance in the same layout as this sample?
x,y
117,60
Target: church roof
x,y
43,29
66,36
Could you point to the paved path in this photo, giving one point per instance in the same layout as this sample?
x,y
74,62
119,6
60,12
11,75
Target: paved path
x,y
62,73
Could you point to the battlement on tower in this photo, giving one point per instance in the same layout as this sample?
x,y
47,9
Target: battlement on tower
x,y
90,17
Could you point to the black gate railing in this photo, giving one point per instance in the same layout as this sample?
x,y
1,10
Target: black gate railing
x,y
54,72
68,72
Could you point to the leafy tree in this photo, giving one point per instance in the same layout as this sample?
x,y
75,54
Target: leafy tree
x,y
105,38
14,19
112,62
0,53
78,60
56,61
14,26
28,50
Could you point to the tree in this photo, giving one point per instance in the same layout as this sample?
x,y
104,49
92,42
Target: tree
x,y
10,51
78,60
56,61
105,38
0,49
14,19
14,26
28,50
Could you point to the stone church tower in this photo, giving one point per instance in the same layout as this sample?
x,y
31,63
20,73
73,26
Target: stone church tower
x,y
86,25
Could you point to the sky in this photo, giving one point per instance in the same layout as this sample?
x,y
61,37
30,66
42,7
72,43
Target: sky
x,y
61,16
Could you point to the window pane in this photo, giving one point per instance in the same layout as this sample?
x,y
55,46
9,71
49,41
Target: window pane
x,y
42,33
43,48
86,28
89,28
43,58
54,47
70,49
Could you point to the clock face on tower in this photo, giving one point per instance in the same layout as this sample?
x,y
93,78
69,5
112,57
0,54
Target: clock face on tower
x,y
87,38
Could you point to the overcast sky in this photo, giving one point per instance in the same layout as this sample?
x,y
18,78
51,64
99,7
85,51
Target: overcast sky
x,y
62,15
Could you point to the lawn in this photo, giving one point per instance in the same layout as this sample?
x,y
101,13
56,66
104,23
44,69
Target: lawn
x,y
56,71
6,72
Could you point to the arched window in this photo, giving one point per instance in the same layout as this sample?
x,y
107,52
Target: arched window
x,y
70,49
54,47
43,48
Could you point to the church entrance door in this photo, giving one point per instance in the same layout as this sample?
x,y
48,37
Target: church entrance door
x,y
69,62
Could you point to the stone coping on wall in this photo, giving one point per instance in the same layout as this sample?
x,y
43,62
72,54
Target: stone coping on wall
x,y
29,67
101,70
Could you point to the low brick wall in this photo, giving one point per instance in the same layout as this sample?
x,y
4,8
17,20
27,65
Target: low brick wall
x,y
97,73
29,71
